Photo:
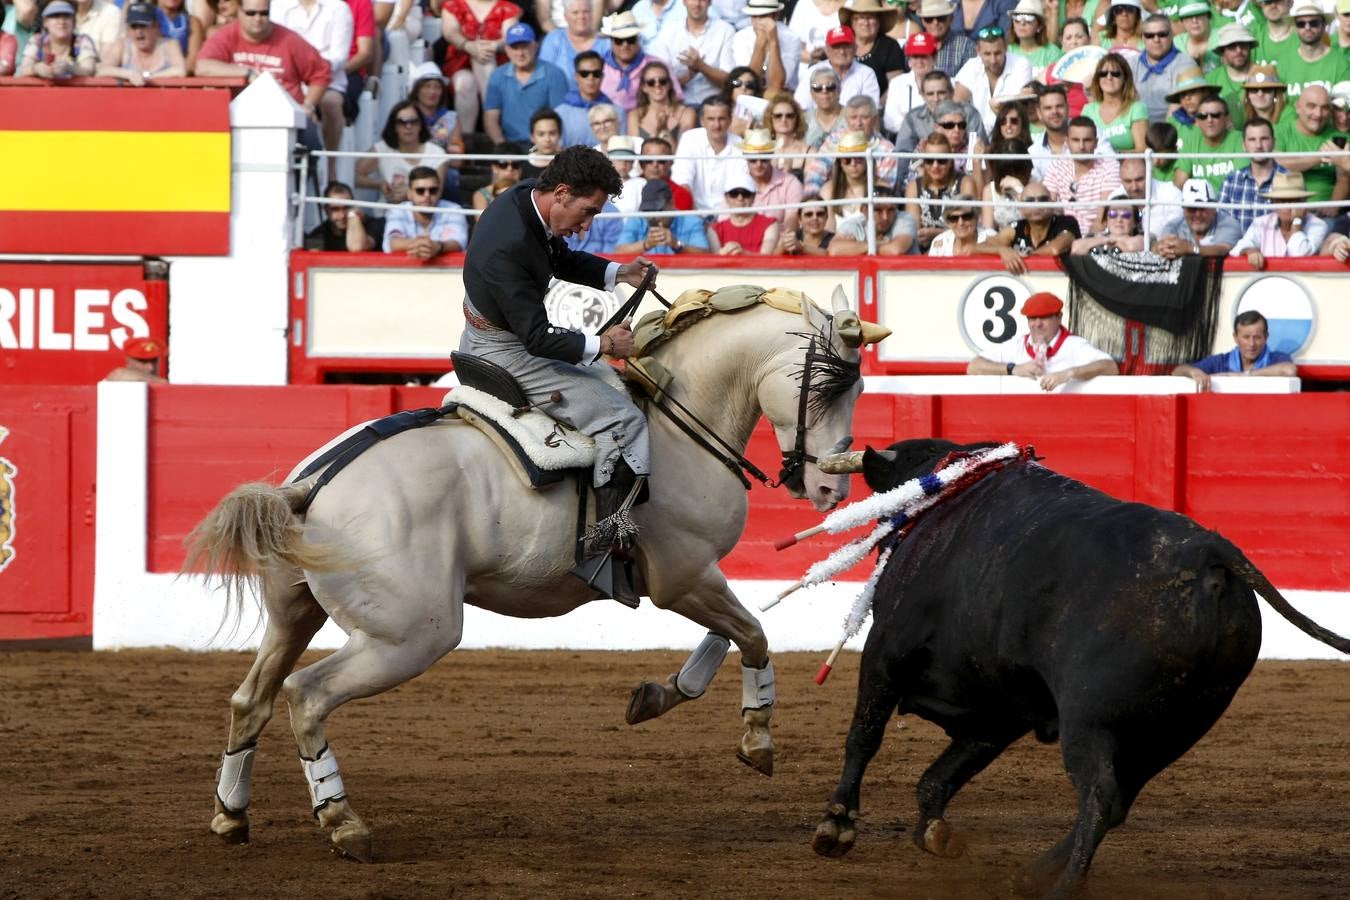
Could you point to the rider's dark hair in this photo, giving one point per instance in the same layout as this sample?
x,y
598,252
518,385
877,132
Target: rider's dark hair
x,y
583,169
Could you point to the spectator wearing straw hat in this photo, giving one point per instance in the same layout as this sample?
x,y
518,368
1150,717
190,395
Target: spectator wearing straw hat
x,y
1029,37
953,49
1314,61
1290,230
768,46
1190,88
1249,184
855,79
144,357
1234,44
773,186
860,116
991,74
870,21
895,231
905,93
1310,129
1201,230
1264,95
624,59
622,150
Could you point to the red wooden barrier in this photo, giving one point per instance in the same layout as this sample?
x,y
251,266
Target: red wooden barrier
x,y
1271,472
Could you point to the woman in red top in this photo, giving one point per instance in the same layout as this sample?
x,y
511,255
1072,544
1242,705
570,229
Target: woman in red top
x,y
744,231
473,31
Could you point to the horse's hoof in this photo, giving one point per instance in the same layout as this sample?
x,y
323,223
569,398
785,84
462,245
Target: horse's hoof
x,y
353,841
760,759
834,836
647,702
232,828
940,839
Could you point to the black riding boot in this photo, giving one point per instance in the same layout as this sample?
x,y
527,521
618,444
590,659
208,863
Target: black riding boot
x,y
614,532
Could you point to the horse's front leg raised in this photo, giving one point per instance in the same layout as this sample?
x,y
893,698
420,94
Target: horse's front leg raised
x,y
712,605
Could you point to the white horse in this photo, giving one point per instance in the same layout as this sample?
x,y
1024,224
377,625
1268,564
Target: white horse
x,y
436,517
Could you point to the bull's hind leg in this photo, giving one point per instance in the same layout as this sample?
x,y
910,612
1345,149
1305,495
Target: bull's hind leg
x,y
952,770
364,666
878,695
711,604
1104,799
293,618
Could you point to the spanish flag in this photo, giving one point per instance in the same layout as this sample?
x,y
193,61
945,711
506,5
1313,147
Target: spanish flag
x,y
115,171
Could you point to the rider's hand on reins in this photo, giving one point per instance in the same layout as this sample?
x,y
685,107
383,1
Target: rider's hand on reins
x,y
632,273
618,341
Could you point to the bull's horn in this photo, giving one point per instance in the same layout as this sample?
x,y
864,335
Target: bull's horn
x,y
873,333
841,463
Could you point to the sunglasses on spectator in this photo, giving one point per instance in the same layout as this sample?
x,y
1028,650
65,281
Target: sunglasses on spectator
x,y
934,18
265,13
1263,90
745,84
740,194
1024,19
1013,121
408,122
812,214
1309,23
590,73
1157,35
961,217
993,32
1206,116
1120,214
824,88
656,82
1035,198
957,124
1110,73
937,162
627,40
507,164
785,115
426,190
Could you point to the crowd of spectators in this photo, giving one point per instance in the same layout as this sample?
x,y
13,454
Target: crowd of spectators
x,y
1017,114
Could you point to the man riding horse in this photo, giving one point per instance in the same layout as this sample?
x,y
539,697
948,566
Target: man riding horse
x,y
516,248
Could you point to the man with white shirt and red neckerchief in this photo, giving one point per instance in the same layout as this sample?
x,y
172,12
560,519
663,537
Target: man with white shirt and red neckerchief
x,y
1048,353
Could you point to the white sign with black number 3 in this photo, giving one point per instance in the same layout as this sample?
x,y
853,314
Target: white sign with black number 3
x,y
988,312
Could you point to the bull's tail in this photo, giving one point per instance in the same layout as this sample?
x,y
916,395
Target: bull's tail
x,y
1243,567
253,530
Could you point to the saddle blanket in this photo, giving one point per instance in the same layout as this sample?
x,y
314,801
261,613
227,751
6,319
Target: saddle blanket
x,y
548,443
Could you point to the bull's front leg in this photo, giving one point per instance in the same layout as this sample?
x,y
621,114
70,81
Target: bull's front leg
x,y
878,696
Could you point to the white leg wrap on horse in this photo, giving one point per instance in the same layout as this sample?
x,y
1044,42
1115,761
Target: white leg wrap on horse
x,y
699,669
324,781
234,781
757,686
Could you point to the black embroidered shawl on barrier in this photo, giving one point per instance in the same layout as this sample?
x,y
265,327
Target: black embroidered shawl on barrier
x,y
1176,301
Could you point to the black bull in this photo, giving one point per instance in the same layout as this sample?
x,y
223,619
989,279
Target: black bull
x,y
1032,602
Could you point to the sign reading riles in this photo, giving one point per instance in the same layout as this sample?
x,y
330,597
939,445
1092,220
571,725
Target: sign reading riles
x,y
115,172
67,324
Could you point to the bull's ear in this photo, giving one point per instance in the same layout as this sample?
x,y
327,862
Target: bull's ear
x,y
878,469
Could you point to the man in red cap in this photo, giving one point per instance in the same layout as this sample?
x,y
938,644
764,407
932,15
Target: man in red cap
x,y
906,91
144,356
841,55
1048,353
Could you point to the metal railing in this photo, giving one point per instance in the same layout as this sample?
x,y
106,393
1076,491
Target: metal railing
x,y
870,202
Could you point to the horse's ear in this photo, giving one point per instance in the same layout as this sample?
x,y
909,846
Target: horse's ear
x,y
839,300
807,303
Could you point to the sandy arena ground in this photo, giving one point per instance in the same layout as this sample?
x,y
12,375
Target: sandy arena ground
x,y
512,774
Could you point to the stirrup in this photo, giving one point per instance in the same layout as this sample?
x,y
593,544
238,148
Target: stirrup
x,y
616,531
601,573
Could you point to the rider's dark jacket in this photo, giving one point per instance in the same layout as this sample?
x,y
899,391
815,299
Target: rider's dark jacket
x,y
507,269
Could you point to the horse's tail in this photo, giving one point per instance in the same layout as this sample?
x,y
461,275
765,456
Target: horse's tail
x,y
254,529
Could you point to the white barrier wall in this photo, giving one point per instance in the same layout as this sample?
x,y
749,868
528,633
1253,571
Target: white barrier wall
x,y
136,608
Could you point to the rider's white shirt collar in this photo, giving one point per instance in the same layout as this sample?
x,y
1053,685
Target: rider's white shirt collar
x,y
547,232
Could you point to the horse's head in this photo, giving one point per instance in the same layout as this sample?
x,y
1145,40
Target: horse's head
x,y
809,393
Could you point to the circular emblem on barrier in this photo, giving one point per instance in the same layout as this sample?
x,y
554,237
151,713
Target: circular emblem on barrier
x,y
1287,306
988,312
579,307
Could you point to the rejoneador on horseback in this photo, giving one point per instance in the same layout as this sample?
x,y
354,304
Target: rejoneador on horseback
x,y
380,550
